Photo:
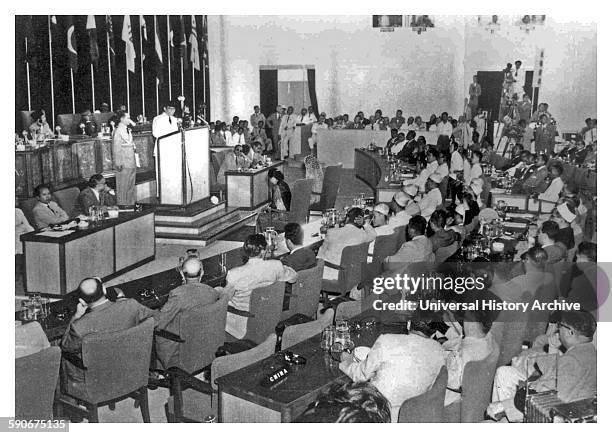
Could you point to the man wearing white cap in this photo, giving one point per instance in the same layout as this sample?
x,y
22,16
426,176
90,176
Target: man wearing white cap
x,y
380,223
432,165
404,207
433,198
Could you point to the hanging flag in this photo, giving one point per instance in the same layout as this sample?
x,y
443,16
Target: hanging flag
x,y
194,53
130,52
94,53
171,42
182,41
31,44
71,43
159,58
111,37
143,35
204,40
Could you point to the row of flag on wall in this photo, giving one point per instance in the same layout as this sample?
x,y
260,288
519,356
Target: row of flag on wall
x,y
178,41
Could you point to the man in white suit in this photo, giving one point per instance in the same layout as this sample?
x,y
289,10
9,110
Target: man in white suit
x,y
287,128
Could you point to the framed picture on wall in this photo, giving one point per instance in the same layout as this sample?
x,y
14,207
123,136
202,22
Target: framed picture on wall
x,y
387,21
419,23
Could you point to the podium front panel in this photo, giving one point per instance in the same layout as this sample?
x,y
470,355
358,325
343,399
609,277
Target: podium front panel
x,y
196,162
170,156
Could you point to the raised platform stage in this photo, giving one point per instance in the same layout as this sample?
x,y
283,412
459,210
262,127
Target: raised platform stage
x,y
197,223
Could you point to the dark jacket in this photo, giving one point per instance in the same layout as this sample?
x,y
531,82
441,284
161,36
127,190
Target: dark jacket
x,y
442,238
87,198
303,258
406,151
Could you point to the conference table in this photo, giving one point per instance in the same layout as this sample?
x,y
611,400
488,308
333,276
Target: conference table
x,y
242,399
337,145
249,189
374,169
57,261
152,291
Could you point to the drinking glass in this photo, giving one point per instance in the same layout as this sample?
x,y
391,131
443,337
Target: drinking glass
x,y
327,338
342,331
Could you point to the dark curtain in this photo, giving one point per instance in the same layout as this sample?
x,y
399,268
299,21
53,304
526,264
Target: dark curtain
x,y
268,91
312,91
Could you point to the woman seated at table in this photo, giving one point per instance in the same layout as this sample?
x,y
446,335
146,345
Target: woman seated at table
x,y
256,272
233,161
276,214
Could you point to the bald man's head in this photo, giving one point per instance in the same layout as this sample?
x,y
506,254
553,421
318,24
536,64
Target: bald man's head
x,y
192,268
91,290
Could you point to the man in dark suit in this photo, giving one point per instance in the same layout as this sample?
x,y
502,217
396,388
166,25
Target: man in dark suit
x,y
96,194
192,293
96,314
299,257
536,181
406,153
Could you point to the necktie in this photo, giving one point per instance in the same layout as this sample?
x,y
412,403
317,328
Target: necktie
x,y
170,120
49,206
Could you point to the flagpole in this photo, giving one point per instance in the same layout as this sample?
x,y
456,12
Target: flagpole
x,y
72,88
51,66
156,78
182,79
28,74
127,81
169,72
142,87
193,88
93,92
110,70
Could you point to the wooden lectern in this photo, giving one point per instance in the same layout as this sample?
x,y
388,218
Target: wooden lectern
x,y
182,167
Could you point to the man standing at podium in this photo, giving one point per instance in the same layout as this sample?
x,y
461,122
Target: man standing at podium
x,y
125,161
165,123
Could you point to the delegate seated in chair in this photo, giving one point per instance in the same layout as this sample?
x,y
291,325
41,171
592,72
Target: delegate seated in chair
x,y
191,294
572,374
96,314
256,272
281,202
353,233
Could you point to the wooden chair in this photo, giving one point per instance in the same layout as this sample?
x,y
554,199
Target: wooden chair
x,y
264,313
35,381
305,292
348,309
189,407
349,271
294,334
68,123
201,333
384,246
329,191
23,121
476,389
115,366
66,199
300,201
429,406
27,205
30,338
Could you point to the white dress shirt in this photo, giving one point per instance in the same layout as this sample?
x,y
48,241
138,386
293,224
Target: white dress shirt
x,y
399,366
238,139
590,136
445,128
456,164
430,202
552,192
229,139
164,124
397,148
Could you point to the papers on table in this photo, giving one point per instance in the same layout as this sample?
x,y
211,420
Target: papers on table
x,y
55,234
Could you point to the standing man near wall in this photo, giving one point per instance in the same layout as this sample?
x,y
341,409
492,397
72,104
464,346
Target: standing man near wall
x,y
125,161
273,123
287,128
475,91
